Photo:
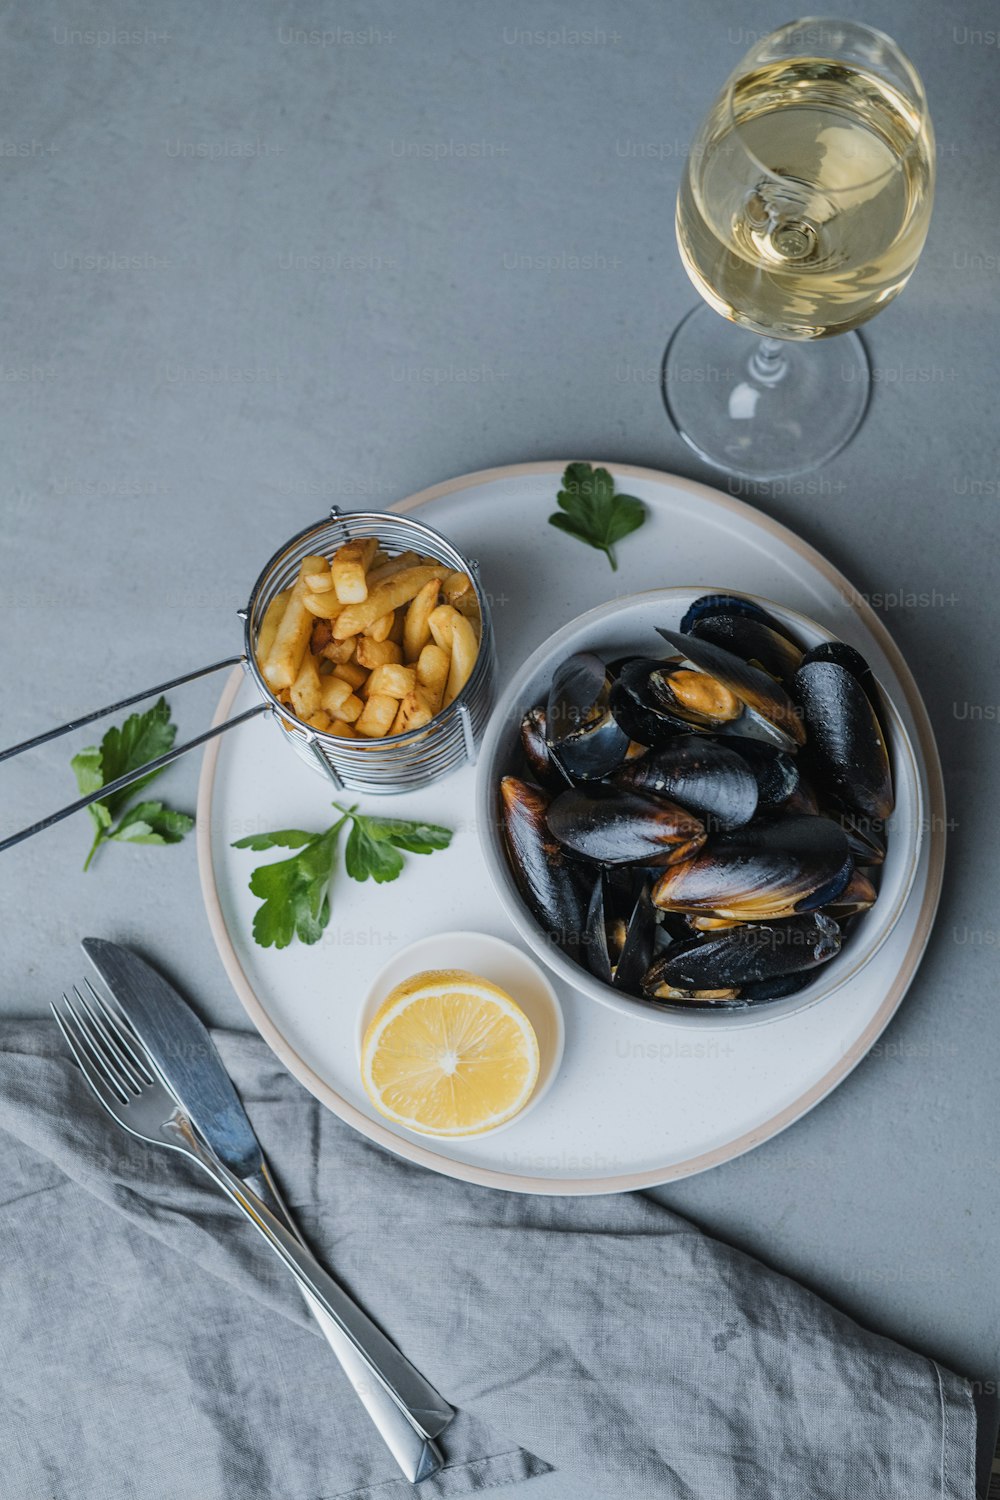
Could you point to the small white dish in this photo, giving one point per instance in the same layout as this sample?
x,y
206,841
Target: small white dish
x,y
513,970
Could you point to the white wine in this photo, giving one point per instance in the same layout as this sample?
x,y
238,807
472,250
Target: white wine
x,y
806,197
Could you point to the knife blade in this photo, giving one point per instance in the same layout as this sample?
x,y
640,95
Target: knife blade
x,y
190,1063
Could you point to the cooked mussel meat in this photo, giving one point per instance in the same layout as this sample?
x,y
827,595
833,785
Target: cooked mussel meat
x,y
767,711
615,826
550,883
720,966
774,867
846,744
700,774
581,730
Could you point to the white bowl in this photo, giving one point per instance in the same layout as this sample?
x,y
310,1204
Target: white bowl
x,y
627,626
490,957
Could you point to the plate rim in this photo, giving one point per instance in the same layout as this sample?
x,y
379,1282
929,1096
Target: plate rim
x,y
651,1177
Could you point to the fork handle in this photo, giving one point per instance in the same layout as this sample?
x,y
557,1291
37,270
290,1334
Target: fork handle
x,y
422,1405
418,1457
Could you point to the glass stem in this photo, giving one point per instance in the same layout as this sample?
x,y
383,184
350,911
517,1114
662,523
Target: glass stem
x,y
768,363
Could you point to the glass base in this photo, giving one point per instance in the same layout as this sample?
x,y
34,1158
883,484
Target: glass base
x,y
763,408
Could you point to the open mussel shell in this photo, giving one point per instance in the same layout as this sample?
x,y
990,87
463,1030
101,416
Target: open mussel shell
x,y
581,730
846,745
858,895
535,748
769,712
759,641
546,876
721,966
621,929
700,774
708,606
775,867
615,826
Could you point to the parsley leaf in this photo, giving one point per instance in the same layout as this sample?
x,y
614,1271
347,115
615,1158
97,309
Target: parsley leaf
x,y
592,512
124,748
295,892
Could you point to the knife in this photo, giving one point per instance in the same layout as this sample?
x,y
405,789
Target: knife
x,y
191,1066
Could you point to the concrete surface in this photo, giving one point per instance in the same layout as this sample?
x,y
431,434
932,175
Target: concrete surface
x,y
260,258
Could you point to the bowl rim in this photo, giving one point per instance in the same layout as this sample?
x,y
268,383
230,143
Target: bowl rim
x,y
766,1013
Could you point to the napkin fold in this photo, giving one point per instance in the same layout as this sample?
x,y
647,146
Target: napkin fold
x,y
152,1349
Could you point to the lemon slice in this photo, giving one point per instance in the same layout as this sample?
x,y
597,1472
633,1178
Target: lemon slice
x,y
449,1053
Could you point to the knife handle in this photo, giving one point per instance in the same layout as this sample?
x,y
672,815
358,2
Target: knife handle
x,y
418,1457
416,1398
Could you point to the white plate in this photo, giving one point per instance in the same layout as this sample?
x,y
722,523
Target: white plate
x,y
634,1104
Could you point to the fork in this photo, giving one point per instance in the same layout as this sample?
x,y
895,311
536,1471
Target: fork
x,y
124,1078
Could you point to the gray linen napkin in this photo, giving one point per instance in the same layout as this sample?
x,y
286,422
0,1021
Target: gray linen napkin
x,y
150,1347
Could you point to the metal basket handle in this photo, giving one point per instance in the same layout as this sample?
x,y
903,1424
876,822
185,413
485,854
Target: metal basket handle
x,y
153,765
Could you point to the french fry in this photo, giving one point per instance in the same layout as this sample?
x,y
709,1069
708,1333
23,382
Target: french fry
x,y
306,689
413,713
269,625
442,622
280,666
433,666
333,692
321,635
379,629
392,679
376,719
351,673
315,572
468,605
464,650
416,630
319,720
388,569
349,567
454,586
387,596
338,651
351,709
373,654
342,729
324,605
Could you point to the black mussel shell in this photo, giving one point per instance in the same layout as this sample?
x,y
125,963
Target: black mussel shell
x,y
774,867
635,708
621,929
865,835
770,712
846,746
754,954
546,875
858,895
776,771
752,641
581,729
710,605
613,825
701,774
540,758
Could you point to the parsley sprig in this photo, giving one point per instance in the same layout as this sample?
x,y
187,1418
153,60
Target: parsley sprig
x,y
124,748
295,893
592,512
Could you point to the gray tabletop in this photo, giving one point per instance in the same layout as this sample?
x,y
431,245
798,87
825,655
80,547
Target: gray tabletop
x,y
259,259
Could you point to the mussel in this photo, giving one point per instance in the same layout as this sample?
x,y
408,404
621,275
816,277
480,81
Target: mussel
x,y
535,746
768,712
775,771
721,966
615,826
775,867
548,880
621,929
700,774
580,728
748,631
847,749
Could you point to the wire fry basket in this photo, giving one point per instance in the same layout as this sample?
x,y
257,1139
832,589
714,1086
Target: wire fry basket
x,y
401,762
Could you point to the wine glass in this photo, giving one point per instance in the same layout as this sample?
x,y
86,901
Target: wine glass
x,y
802,210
